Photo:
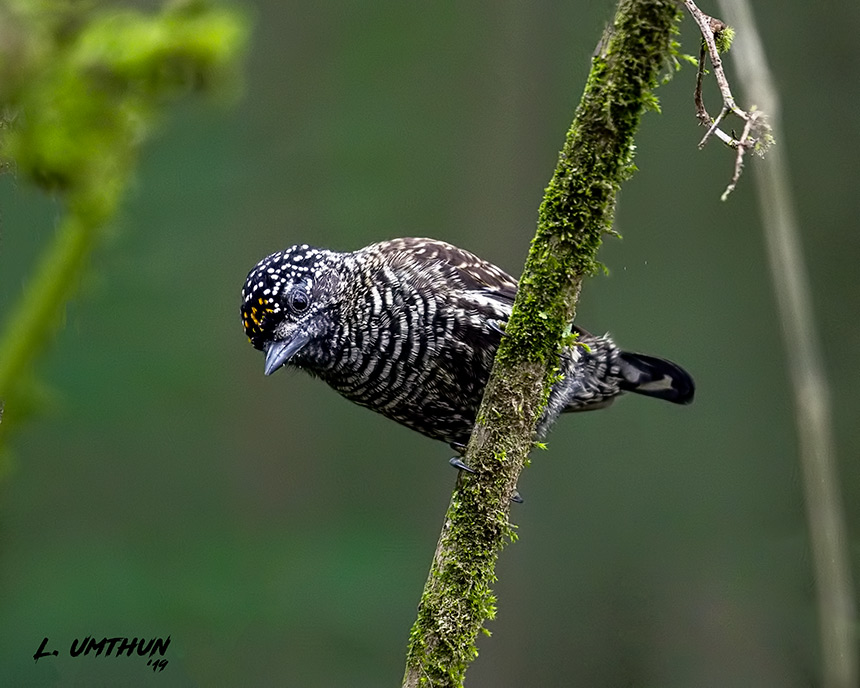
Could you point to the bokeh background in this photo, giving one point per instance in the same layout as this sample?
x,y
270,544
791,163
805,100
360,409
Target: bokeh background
x,y
282,536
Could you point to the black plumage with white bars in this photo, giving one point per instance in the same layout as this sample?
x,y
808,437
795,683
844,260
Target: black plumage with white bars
x,y
409,328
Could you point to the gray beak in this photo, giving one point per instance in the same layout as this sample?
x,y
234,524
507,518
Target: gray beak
x,y
279,353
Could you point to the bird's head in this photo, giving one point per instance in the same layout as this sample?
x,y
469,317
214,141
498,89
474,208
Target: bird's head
x,y
287,302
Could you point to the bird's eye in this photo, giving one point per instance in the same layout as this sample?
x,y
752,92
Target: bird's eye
x,y
299,301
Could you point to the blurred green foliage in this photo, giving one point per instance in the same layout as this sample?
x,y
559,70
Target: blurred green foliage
x,y
83,89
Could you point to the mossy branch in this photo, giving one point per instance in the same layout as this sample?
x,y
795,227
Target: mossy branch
x,y
80,93
576,212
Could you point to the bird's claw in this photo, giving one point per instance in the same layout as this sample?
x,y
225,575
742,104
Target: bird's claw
x,y
497,326
457,462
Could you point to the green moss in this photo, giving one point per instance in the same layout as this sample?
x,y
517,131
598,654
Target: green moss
x,y
723,39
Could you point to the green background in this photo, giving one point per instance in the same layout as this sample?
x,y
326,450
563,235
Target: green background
x,y
282,536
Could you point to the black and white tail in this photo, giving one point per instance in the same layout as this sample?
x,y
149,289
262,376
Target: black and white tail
x,y
655,377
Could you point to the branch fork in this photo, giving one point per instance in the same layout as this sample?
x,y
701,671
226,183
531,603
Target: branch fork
x,y
756,134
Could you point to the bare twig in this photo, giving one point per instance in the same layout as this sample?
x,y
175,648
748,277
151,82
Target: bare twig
x,y
816,451
739,157
701,112
756,132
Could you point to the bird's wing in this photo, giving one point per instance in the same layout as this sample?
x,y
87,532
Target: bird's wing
x,y
488,287
465,268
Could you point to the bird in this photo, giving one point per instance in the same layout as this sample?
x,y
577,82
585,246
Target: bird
x,y
409,328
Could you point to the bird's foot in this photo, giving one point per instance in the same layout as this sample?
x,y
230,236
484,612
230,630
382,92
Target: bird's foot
x,y
458,463
497,325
